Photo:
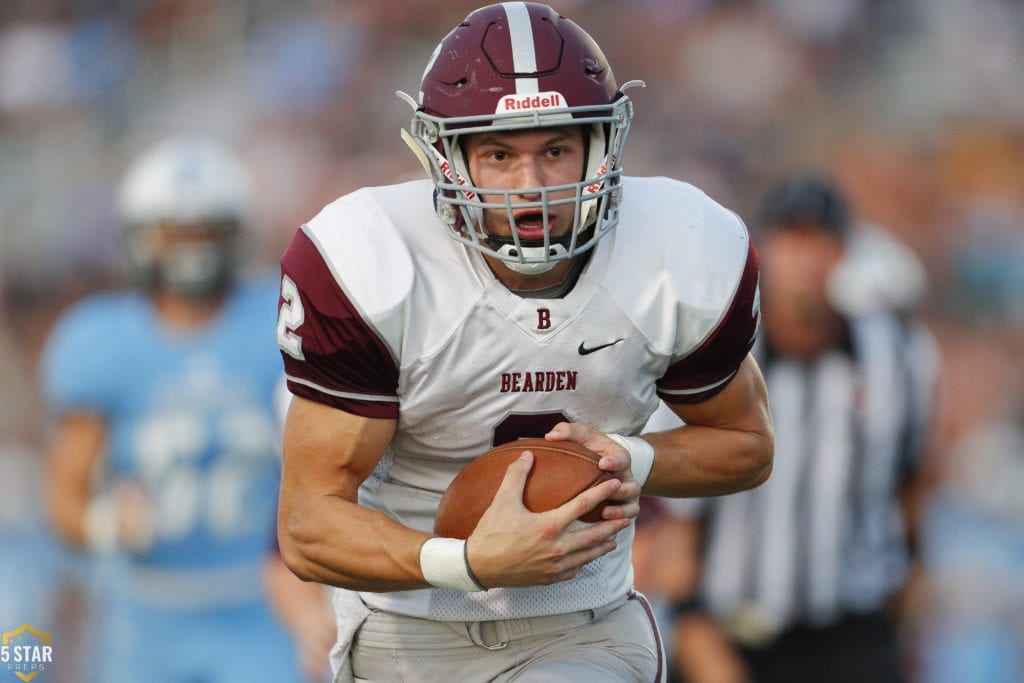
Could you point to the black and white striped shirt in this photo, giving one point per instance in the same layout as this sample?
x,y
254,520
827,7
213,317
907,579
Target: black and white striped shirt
x,y
824,536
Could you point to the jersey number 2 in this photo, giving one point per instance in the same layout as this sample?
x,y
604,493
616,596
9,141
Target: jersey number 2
x,y
289,319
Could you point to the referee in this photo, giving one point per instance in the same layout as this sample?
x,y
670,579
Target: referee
x,y
795,577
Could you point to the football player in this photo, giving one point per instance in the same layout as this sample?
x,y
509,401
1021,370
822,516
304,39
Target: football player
x,y
165,454
526,289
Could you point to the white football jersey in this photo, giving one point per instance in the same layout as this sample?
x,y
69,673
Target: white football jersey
x,y
384,315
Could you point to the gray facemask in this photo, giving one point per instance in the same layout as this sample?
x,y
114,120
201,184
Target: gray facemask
x,y
196,270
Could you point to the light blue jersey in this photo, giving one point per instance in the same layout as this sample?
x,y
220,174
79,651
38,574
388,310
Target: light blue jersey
x,y
190,419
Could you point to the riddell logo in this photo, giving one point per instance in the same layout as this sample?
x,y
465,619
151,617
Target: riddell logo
x,y
594,187
446,169
541,100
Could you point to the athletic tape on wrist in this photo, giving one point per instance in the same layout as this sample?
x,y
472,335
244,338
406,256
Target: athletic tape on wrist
x,y
101,524
641,455
444,564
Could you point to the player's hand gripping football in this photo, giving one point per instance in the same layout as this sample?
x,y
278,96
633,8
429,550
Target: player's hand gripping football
x,y
512,546
614,459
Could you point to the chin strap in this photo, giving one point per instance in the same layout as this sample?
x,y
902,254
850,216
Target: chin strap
x,y
506,248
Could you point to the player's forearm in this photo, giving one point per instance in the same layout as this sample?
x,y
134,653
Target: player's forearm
x,y
697,461
74,454
726,445
334,541
67,518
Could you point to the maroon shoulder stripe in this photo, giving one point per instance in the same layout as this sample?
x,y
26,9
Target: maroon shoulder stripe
x,y
344,361
708,369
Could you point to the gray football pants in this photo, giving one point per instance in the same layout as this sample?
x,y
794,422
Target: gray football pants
x,y
615,644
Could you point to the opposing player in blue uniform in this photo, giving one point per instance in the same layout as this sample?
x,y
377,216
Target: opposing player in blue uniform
x,y
165,456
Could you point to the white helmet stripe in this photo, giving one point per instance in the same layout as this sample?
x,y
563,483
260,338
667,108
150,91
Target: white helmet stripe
x,y
524,54
430,64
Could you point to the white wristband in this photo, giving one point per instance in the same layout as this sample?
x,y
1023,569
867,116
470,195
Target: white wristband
x,y
641,455
101,524
444,564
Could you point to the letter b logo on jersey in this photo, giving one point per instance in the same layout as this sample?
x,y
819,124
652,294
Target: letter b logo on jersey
x,y
543,319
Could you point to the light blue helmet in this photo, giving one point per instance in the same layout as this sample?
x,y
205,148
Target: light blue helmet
x,y
185,184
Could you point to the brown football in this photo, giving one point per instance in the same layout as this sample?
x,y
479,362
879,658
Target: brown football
x,y
561,471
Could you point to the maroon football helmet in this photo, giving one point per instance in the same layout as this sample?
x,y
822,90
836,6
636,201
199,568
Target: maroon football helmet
x,y
514,66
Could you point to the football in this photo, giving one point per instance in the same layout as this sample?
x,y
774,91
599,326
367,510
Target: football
x,y
561,471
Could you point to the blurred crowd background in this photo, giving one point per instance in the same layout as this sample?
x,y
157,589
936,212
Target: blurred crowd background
x,y
916,106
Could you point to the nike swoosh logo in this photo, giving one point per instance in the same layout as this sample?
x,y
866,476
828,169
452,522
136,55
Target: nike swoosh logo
x,y
583,350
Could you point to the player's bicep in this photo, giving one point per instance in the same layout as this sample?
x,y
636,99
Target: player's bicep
x,y
328,451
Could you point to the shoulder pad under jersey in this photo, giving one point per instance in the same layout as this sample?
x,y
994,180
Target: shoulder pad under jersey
x,y
676,247
367,257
